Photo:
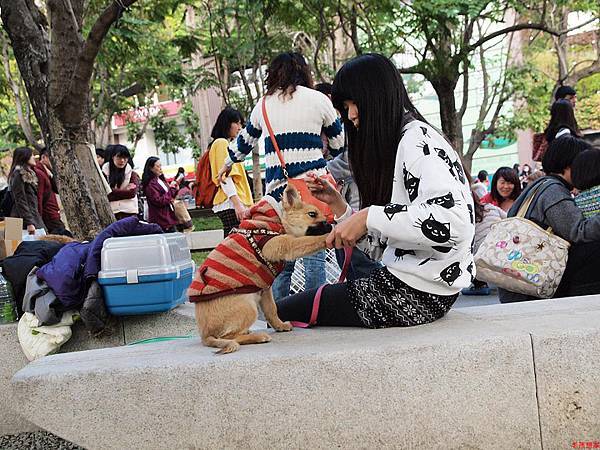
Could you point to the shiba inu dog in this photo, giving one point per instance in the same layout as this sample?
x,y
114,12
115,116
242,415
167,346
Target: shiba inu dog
x,y
237,275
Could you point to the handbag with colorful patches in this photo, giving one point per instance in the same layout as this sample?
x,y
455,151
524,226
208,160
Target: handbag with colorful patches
x,y
520,256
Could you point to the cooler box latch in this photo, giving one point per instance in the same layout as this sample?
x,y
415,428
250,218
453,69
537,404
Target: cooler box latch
x,y
132,276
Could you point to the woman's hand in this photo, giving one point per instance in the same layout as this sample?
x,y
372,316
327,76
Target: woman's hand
x,y
174,184
223,173
240,209
31,229
349,232
324,191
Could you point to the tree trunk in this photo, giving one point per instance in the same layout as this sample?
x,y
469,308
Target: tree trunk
x,y
78,181
451,123
26,28
57,74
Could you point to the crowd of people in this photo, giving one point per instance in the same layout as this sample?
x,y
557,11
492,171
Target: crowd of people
x,y
403,198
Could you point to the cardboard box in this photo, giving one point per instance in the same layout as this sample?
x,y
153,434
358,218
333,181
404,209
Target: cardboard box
x,y
11,235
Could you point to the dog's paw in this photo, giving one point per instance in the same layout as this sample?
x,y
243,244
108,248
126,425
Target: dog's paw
x,y
229,348
285,326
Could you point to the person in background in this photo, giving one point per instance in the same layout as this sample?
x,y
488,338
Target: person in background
x,y
180,175
23,186
298,115
524,175
553,207
562,121
485,216
159,195
100,156
46,193
566,93
123,181
505,189
233,196
480,186
586,178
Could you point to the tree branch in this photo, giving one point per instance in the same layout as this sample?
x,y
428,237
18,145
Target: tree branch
x,y
521,26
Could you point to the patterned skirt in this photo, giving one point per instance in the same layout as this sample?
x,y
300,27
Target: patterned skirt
x,y
382,300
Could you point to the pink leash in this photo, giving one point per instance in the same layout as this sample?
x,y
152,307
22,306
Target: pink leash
x,y
317,301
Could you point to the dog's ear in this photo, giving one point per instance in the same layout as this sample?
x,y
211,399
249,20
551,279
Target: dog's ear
x,y
291,197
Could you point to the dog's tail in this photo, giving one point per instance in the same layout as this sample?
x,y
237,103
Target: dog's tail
x,y
226,345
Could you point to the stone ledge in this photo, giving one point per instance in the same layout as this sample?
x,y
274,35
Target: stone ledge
x,y
179,321
482,377
204,240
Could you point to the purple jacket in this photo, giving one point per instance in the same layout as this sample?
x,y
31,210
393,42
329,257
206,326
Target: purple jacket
x,y
64,274
160,209
72,268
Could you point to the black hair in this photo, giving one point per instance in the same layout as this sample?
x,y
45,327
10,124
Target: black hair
x,y
562,115
509,175
561,153
585,170
479,208
180,170
148,175
286,72
21,156
482,175
116,176
375,85
100,152
324,88
224,121
563,91
44,151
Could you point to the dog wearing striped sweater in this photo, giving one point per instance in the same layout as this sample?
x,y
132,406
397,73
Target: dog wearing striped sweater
x,y
237,276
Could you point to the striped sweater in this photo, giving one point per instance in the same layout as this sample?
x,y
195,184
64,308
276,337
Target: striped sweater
x,y
236,265
298,123
588,201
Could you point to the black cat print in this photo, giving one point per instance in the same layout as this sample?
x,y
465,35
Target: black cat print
x,y
433,230
411,184
424,147
450,274
392,209
400,254
445,201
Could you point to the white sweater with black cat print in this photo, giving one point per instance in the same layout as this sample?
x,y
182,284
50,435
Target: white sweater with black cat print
x,y
428,226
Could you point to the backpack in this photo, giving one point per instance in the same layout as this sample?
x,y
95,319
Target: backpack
x,y
205,189
7,202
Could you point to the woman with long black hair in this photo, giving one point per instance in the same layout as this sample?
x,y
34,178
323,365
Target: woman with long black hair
x,y
23,184
123,181
159,195
562,121
414,194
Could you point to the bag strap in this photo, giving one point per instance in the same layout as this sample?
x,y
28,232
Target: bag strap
x,y
317,300
529,200
272,135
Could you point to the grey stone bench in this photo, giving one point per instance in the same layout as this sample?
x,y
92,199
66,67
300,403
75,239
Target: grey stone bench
x,y
504,376
126,330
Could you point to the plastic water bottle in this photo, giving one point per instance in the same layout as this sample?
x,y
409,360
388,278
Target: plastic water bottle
x,y
8,311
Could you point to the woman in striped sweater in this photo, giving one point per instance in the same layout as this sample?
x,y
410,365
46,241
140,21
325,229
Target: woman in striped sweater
x,y
298,115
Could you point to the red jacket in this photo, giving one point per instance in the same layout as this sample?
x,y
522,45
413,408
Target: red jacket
x,y
160,208
236,265
46,194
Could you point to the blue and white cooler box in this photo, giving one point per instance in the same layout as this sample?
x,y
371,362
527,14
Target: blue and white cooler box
x,y
145,274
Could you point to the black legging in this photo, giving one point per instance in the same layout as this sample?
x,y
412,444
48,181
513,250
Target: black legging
x,y
335,308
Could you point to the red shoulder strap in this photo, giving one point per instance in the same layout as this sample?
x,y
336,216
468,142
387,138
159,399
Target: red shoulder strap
x,y
272,135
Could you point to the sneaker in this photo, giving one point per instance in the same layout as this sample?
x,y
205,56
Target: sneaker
x,y
484,290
